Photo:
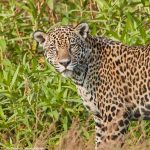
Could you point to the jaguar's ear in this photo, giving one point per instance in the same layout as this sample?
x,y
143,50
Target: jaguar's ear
x,y
82,29
39,36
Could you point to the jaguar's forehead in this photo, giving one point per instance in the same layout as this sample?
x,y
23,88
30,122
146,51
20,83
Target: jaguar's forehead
x,y
60,36
61,31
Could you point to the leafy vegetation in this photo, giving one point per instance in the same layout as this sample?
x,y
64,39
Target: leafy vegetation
x,y
37,105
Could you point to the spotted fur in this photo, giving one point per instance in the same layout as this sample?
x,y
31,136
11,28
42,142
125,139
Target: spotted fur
x,y
113,79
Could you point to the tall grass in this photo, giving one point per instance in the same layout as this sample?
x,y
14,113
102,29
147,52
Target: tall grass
x,y
36,103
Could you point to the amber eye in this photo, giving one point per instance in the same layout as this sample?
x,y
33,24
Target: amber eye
x,y
73,45
72,48
53,50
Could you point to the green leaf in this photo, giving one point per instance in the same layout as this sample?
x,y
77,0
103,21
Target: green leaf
x,y
2,115
14,77
130,21
50,4
102,3
2,44
65,123
65,21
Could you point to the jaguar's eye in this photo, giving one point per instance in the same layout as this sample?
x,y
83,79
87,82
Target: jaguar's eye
x,y
73,45
54,50
73,48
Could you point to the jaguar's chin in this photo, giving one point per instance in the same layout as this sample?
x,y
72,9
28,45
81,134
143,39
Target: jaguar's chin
x,y
77,73
67,73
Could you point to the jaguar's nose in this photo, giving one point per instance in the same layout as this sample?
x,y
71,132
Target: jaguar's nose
x,y
65,62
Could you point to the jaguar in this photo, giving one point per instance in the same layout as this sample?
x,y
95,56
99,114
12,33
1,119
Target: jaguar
x,y
113,79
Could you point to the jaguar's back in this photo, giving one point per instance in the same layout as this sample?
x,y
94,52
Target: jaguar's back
x,y
112,79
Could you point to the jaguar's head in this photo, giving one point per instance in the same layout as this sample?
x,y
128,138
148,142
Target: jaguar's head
x,y
66,48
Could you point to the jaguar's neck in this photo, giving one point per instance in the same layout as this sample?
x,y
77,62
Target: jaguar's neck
x,y
102,48
96,41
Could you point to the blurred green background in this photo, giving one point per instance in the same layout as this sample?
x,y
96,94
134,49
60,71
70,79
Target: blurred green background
x,y
32,94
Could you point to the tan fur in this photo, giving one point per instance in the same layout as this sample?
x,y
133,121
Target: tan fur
x,y
113,79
